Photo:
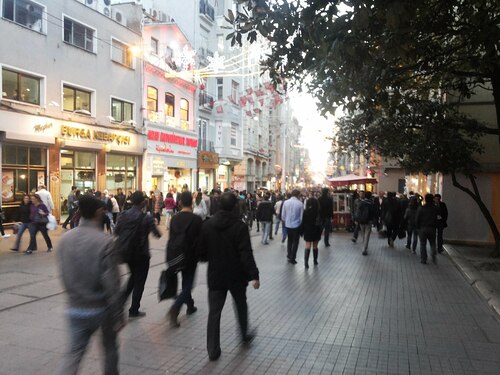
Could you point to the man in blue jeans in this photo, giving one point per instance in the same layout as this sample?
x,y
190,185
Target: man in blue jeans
x,y
188,225
291,214
90,275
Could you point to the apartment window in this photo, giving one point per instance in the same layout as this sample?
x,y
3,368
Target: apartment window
x,y
121,110
78,35
121,53
220,42
169,104
20,86
25,13
152,99
184,110
154,46
76,99
235,86
234,134
220,88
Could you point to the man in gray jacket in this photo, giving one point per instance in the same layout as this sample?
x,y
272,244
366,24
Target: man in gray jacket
x,y
89,271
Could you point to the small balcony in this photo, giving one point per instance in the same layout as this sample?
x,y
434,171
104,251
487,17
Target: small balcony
x,y
206,145
206,102
207,10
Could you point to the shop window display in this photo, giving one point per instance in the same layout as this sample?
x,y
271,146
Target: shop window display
x,y
121,172
23,169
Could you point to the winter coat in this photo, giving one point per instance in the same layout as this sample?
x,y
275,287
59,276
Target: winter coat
x,y
265,211
312,232
225,243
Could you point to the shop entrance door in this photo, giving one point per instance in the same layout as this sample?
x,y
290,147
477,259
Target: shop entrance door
x,y
157,183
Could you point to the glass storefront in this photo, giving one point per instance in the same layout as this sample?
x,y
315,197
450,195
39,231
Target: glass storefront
x,y
179,179
121,172
23,169
78,169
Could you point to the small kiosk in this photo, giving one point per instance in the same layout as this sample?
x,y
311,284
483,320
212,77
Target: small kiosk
x,y
343,202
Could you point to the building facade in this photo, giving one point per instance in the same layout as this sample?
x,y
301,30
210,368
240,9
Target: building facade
x,y
61,124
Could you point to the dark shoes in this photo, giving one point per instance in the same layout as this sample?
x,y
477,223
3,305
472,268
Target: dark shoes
x,y
423,261
291,261
14,249
138,314
327,245
434,260
365,252
49,250
215,356
248,338
191,310
353,240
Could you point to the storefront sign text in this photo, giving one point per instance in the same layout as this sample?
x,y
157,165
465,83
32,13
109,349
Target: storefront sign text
x,y
40,128
172,138
94,135
164,148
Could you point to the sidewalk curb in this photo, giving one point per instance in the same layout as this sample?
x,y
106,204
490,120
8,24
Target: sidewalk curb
x,y
475,279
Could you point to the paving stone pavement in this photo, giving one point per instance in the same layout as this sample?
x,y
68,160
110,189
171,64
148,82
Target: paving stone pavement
x,y
381,314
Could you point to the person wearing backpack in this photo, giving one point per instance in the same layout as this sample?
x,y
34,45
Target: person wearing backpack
x,y
132,229
365,217
185,229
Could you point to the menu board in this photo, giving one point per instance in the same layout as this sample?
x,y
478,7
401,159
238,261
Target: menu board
x,y
7,185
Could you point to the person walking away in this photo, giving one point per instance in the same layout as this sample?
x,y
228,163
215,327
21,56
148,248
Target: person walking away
x,y
378,203
366,216
326,212
185,229
71,207
115,208
2,230
139,260
426,225
225,244
265,216
90,275
392,215
357,227
199,206
170,205
411,220
313,226
277,213
39,219
291,214
45,197
24,217
157,204
441,223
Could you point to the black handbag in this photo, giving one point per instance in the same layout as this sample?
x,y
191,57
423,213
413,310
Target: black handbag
x,y
167,286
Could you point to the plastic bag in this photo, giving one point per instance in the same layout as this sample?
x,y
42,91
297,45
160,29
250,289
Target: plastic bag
x,y
52,224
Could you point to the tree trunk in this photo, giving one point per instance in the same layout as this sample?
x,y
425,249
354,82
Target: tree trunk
x,y
495,83
484,210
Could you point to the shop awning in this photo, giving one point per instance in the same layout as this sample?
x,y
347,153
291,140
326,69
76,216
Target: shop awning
x,y
351,179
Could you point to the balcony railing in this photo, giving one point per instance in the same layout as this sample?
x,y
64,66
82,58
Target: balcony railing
x,y
206,145
206,101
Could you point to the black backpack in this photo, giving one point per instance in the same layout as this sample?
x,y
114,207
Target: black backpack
x,y
129,238
363,213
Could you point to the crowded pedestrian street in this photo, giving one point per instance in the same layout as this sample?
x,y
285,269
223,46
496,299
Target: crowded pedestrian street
x,y
384,313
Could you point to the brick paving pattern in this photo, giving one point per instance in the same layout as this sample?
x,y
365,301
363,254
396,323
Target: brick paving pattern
x,y
381,314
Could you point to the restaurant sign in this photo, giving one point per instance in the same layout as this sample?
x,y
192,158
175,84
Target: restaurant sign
x,y
87,134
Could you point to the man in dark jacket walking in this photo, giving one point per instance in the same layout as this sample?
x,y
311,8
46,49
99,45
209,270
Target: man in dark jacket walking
x,y
139,262
325,213
225,244
265,216
391,213
185,227
442,218
426,226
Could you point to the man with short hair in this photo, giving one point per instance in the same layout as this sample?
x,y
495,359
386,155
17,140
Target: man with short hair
x,y
225,244
265,216
188,225
326,212
291,214
426,226
365,217
90,275
139,263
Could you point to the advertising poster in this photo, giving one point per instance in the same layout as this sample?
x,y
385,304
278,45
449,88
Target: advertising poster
x,y
8,186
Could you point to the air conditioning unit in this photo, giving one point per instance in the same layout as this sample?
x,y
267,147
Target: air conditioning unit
x,y
163,17
91,3
153,13
103,6
119,17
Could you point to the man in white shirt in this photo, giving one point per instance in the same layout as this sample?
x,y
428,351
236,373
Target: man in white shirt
x,y
291,215
45,197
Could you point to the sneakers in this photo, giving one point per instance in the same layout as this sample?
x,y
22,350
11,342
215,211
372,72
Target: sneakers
x,y
28,252
138,314
49,250
6,236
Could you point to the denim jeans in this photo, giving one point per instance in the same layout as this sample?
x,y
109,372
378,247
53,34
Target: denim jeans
x,y
266,228
20,232
327,227
277,223
81,330
427,234
34,228
412,238
187,285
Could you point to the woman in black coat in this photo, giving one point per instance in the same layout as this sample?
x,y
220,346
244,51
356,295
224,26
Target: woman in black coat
x,y
312,229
